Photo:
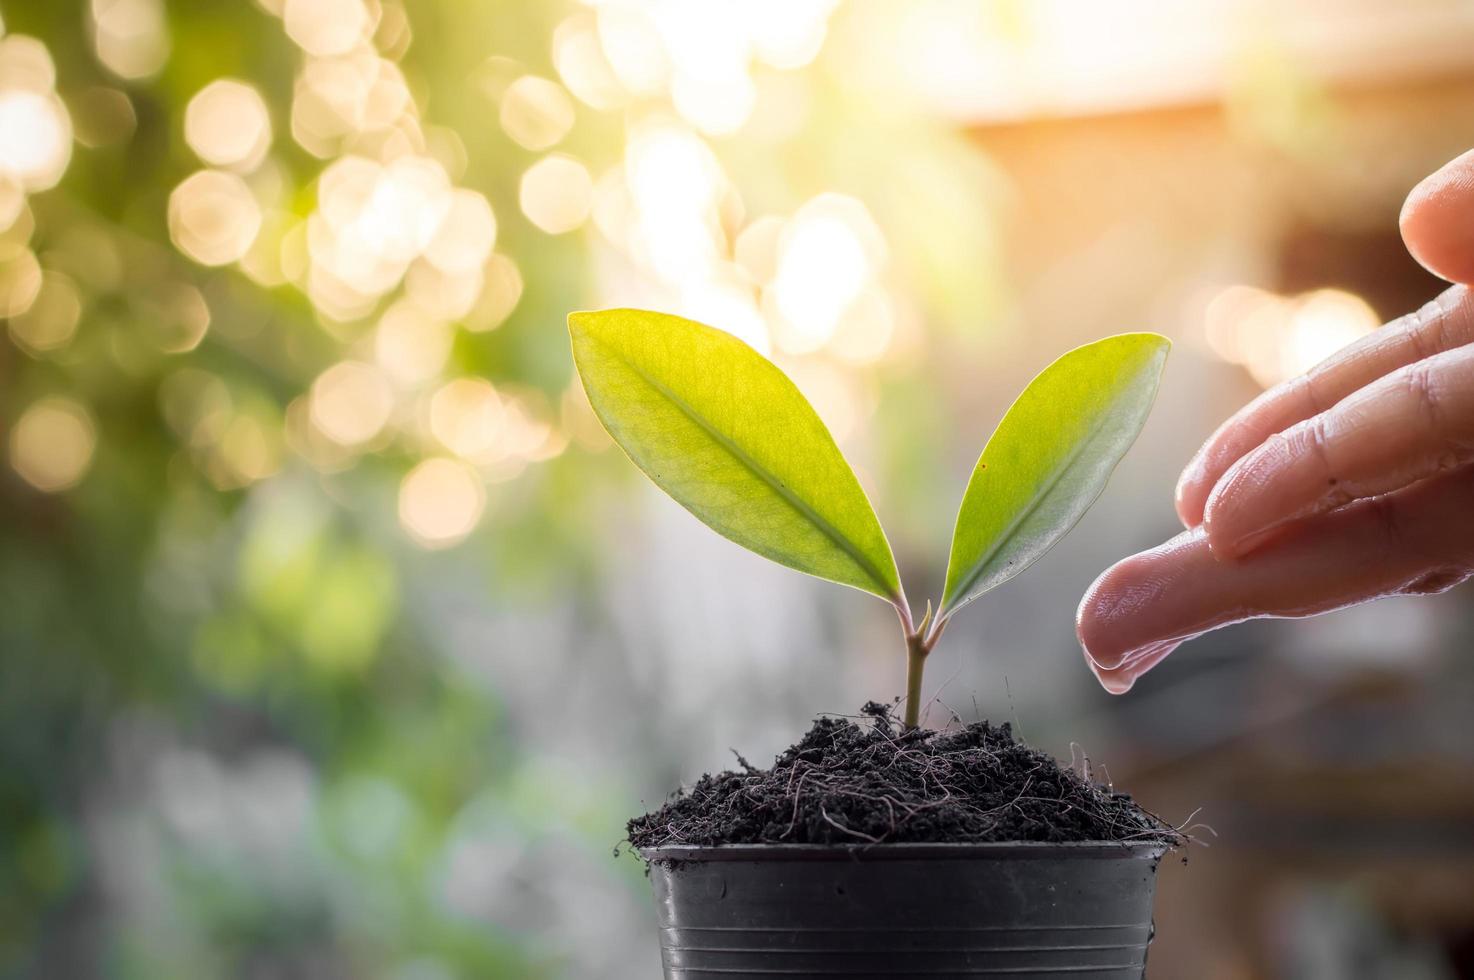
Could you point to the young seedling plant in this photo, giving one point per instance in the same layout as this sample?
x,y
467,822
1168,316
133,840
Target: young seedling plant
x,y
722,430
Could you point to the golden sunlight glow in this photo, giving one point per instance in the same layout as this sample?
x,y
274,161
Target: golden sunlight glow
x,y
697,52
826,256
440,502
52,318
327,27
351,402
536,113
788,34
466,417
556,194
213,217
1276,338
675,185
52,444
131,37
1324,322
227,125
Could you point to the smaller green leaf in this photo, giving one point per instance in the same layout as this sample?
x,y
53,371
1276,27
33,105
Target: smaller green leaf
x,y
1050,458
718,427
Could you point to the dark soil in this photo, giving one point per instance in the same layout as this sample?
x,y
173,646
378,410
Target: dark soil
x,y
871,782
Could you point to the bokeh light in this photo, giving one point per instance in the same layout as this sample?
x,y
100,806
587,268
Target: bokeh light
x,y
556,194
440,501
327,27
35,128
466,234
227,125
130,37
52,444
51,319
1277,337
20,282
351,402
410,344
466,417
825,257
536,113
213,217
583,66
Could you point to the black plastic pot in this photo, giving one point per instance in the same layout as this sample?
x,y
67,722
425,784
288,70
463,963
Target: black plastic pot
x,y
905,910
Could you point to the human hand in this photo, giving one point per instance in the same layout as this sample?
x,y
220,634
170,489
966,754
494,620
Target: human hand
x,y
1344,485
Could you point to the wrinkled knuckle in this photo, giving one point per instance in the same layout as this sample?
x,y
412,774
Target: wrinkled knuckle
x,y
1422,385
1304,388
1426,329
1315,440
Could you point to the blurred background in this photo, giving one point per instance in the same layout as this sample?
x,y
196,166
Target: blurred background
x,y
335,640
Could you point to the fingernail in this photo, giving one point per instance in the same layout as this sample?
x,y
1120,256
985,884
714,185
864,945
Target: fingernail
x,y
1243,544
1189,518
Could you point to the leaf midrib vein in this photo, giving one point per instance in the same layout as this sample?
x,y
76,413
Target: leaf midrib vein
x,y
976,570
787,495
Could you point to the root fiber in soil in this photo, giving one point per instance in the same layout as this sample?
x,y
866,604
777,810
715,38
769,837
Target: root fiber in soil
x,y
872,782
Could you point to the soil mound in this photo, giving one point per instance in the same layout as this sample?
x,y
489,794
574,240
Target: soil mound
x,y
869,783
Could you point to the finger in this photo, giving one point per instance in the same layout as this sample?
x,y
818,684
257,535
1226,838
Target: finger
x,y
1119,680
1443,324
1414,423
1418,540
1438,220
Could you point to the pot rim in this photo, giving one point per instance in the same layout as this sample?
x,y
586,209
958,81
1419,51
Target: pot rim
x,y
1117,850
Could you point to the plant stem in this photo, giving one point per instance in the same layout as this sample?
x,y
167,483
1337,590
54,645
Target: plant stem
x,y
916,651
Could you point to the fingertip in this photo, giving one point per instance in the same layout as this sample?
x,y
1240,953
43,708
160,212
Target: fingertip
x,y
1109,680
1107,623
1227,528
1091,620
1188,496
1434,220
1142,661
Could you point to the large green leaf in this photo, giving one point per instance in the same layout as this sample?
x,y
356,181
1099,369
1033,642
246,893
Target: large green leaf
x,y
723,431
1050,458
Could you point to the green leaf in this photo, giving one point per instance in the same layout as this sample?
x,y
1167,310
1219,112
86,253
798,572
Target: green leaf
x,y
1050,459
723,431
